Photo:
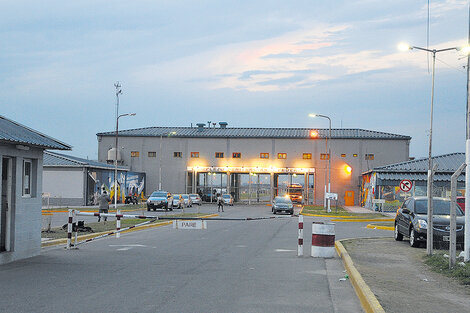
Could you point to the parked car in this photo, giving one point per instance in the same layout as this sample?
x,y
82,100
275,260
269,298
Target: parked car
x,y
187,200
283,204
461,203
228,199
178,202
160,199
195,198
411,221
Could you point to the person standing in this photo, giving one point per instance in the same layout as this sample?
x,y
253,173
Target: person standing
x,y
220,203
103,201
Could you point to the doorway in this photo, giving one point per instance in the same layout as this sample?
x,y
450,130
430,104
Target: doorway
x,y
6,204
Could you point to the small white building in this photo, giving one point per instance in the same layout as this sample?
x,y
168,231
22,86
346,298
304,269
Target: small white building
x,y
21,156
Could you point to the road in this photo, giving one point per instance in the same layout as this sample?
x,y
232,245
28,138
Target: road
x,y
230,267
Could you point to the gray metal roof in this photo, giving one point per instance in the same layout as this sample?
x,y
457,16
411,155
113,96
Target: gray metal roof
x,y
15,133
238,132
447,164
53,159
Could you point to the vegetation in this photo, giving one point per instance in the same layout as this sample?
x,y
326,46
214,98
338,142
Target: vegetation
x,y
440,264
57,233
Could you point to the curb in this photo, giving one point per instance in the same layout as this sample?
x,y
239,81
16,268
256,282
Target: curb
x,y
369,302
371,226
56,242
364,220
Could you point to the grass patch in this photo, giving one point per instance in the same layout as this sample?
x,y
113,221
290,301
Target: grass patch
x,y
339,211
440,264
58,232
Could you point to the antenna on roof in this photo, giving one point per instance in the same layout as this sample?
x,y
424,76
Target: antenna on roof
x,y
209,124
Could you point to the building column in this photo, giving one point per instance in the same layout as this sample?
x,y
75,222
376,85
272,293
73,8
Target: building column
x,y
228,183
272,187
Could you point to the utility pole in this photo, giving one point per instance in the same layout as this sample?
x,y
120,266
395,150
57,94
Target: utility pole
x,y
467,161
117,85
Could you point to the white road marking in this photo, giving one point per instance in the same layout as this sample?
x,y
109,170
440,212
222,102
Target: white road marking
x,y
241,246
134,245
284,250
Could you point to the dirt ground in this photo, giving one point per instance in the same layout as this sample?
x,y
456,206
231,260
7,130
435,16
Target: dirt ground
x,y
396,274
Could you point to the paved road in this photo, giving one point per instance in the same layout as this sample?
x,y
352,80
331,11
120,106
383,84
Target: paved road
x,y
230,267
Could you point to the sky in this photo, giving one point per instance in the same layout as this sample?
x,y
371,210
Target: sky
x,y
249,63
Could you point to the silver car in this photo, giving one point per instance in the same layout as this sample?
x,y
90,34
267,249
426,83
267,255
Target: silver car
x,y
187,200
228,199
195,198
160,199
178,202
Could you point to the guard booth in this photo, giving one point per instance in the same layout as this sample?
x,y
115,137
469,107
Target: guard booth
x,y
250,185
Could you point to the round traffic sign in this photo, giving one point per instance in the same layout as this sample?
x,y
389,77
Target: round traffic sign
x,y
405,185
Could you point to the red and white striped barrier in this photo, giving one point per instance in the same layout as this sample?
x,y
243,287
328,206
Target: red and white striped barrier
x,y
323,240
300,245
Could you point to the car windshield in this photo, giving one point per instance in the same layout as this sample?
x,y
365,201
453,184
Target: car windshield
x,y
282,200
158,194
185,196
226,196
440,207
193,196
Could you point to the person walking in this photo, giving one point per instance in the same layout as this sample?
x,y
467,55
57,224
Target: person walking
x,y
103,201
220,203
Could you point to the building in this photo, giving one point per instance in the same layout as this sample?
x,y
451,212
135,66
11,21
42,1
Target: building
x,y
253,164
383,182
69,180
21,156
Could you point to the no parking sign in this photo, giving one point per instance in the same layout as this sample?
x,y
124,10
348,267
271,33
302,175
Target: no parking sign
x,y
406,185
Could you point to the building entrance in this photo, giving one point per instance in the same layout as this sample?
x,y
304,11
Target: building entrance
x,y
6,204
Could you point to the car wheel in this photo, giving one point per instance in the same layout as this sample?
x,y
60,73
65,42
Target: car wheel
x,y
397,235
413,241
291,212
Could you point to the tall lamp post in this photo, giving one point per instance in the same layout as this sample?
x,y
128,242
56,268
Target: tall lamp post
x,y
429,231
328,155
160,159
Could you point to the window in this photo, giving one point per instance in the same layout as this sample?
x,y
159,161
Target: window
x,y
134,154
343,155
177,154
324,156
369,156
355,155
236,155
152,154
307,156
195,154
264,155
282,155
27,166
219,155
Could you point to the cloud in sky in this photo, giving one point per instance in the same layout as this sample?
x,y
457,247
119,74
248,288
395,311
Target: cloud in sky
x,y
188,59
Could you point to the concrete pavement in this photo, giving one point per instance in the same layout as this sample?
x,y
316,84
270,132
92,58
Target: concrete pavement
x,y
230,267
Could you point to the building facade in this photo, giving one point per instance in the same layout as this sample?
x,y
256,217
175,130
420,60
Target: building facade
x,y
69,180
21,157
383,182
253,164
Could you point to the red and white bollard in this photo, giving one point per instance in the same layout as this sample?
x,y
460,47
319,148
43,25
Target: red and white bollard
x,y
323,240
300,247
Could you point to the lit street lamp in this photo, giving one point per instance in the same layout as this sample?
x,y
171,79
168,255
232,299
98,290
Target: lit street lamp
x,y
429,233
328,155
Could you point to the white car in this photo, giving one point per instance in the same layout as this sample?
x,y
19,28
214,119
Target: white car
x,y
187,200
195,198
228,199
178,202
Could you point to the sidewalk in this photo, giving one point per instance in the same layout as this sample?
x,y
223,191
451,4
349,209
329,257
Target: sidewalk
x,y
359,209
400,280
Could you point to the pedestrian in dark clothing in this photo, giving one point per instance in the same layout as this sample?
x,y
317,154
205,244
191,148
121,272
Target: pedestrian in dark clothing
x,y
103,201
220,203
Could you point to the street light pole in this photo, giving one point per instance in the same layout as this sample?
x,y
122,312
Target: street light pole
x,y
117,85
328,155
467,161
429,231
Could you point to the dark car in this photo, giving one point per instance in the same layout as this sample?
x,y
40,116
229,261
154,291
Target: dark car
x,y
411,221
461,203
283,204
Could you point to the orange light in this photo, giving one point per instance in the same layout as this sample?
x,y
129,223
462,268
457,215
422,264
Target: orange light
x,y
347,169
313,134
